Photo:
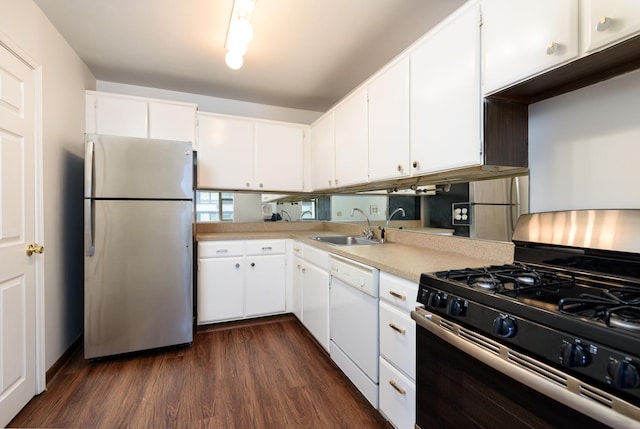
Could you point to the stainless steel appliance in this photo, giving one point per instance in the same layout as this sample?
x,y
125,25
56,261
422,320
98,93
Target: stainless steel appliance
x,y
138,244
493,207
552,340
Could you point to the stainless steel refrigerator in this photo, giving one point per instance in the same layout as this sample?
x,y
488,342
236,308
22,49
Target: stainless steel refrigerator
x,y
493,208
138,251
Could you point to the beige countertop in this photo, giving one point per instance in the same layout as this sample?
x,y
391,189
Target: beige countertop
x,y
405,253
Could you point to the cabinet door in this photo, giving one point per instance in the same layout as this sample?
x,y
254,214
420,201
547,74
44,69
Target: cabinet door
x,y
315,303
445,96
225,157
352,150
610,21
220,289
389,123
521,39
279,157
265,285
296,287
323,153
171,121
120,116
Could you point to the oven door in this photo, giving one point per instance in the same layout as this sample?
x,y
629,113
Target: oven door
x,y
471,388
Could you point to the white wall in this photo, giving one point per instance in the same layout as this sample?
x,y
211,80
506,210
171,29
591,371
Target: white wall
x,y
584,148
214,104
65,78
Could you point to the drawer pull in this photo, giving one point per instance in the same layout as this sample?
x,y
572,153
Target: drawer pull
x,y
399,389
264,249
397,295
395,328
222,251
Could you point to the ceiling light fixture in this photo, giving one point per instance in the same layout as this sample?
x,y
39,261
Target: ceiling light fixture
x,y
240,33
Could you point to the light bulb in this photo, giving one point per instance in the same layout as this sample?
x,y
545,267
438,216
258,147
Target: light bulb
x,y
242,29
237,46
233,60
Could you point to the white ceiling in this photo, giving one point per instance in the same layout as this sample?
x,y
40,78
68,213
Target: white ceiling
x,y
306,54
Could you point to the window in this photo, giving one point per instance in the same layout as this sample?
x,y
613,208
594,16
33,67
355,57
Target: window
x,y
308,209
212,206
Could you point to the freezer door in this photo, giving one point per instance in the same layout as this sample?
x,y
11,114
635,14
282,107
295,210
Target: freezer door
x,y
127,167
138,279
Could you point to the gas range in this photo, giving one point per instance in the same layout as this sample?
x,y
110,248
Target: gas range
x,y
572,307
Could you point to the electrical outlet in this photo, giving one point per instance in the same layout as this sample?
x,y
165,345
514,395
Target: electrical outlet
x,y
373,210
339,214
461,213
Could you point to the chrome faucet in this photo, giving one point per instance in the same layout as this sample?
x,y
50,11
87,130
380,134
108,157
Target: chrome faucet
x,y
284,212
368,233
399,209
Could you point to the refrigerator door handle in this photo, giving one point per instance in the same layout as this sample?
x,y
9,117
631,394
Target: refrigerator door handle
x,y
88,169
89,224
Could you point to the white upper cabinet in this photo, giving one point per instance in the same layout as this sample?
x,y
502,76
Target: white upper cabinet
x,y
523,38
323,152
279,156
237,153
445,95
389,155
225,156
351,141
172,121
610,21
121,115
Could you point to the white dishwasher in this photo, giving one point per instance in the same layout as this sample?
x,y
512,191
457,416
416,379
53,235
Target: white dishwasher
x,y
354,323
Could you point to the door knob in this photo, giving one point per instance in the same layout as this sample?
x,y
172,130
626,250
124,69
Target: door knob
x,y
34,248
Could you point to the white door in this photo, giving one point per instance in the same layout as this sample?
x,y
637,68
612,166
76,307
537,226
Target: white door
x,y
17,231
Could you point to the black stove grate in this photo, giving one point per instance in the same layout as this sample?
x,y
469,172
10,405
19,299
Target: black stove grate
x,y
618,308
514,280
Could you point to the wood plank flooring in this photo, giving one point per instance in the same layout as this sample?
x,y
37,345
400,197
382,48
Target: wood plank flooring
x,y
268,373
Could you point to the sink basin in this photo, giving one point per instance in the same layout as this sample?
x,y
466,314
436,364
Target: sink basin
x,y
344,240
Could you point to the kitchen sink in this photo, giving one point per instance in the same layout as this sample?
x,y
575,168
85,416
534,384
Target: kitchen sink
x,y
345,240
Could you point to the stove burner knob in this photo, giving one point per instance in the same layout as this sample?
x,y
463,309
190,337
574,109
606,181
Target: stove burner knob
x,y
575,355
505,326
437,299
457,307
624,375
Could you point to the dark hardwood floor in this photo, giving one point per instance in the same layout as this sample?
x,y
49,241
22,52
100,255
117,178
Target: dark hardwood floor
x,y
268,373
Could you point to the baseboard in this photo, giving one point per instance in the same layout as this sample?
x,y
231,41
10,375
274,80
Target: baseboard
x,y
66,357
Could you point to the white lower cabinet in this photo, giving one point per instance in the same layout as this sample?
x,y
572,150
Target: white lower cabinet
x,y
397,396
397,350
239,279
311,291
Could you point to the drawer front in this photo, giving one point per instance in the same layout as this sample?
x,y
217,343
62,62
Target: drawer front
x,y
398,291
398,338
265,247
317,257
220,249
397,396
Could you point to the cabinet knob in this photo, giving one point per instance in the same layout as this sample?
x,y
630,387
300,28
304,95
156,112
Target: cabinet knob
x,y
329,182
261,185
399,167
253,264
237,266
248,185
336,182
603,24
415,164
552,48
